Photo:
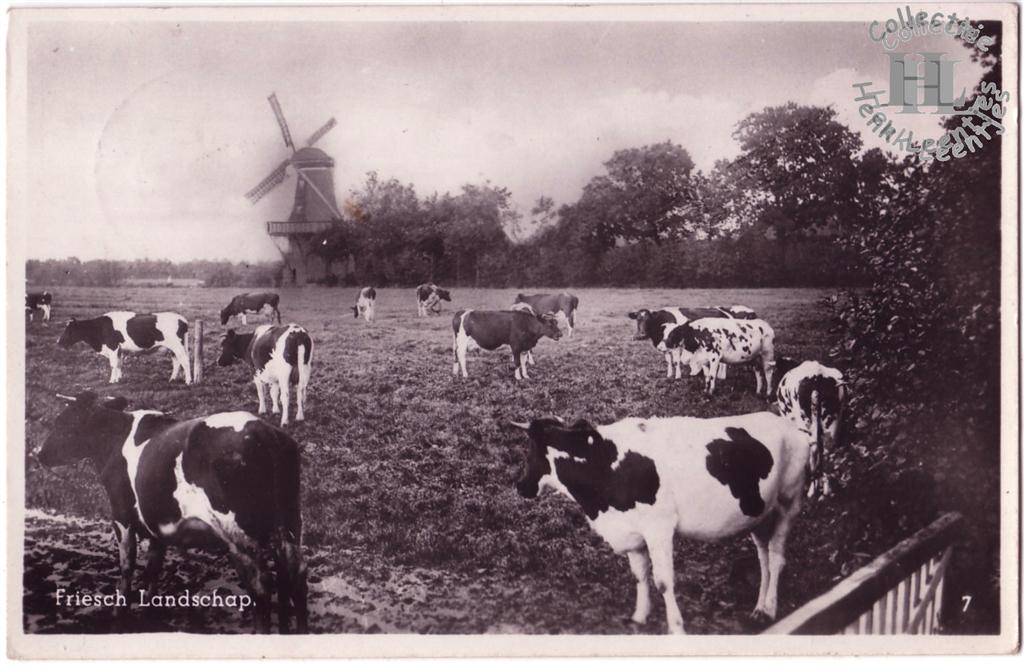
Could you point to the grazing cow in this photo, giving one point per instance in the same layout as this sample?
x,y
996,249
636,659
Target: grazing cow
x,y
254,302
42,301
640,482
813,397
652,324
428,299
563,303
118,332
493,329
279,355
708,342
365,304
228,480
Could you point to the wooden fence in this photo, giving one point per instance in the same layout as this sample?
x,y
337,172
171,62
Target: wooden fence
x,y
899,592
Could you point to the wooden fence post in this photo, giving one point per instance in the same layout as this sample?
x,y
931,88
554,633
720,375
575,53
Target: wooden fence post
x,y
197,354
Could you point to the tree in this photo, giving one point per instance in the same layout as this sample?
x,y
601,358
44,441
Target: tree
x,y
647,193
797,169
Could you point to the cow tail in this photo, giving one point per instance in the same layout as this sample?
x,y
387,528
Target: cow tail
x,y
816,432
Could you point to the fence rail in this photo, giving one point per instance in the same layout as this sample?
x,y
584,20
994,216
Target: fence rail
x,y
899,592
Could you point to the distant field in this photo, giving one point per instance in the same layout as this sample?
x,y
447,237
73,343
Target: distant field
x,y
408,471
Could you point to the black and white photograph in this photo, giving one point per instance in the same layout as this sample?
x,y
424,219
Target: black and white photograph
x,y
690,329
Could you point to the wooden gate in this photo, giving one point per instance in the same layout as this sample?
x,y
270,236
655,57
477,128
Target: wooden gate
x,y
899,592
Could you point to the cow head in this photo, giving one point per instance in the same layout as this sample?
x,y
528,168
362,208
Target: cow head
x,y
225,314
643,323
73,333
536,474
443,294
69,441
549,326
232,348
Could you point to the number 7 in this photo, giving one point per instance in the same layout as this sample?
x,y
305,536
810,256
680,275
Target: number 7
x,y
967,601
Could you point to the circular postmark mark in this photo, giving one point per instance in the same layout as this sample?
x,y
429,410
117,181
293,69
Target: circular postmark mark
x,y
921,81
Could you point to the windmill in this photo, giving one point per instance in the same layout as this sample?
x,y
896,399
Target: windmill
x,y
315,209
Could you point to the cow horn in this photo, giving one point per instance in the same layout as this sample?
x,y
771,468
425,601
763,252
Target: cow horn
x,y
521,426
67,398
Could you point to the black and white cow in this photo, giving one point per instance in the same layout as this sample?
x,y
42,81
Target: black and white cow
x,y
707,343
38,301
279,355
651,325
813,397
119,332
491,330
561,303
428,299
642,481
228,480
254,302
365,304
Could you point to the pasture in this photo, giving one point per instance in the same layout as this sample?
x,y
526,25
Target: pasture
x,y
411,519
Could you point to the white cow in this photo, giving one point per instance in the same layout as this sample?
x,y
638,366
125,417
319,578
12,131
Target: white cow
x,y
707,343
642,481
118,332
813,397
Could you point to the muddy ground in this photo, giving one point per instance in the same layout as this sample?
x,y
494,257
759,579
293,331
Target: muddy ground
x,y
411,520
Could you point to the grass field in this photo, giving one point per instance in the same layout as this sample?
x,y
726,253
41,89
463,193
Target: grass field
x,y
408,471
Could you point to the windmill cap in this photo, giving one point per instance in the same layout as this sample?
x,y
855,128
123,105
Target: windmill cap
x,y
312,157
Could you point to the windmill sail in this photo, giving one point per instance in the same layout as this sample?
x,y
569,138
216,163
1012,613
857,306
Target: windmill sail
x,y
321,132
265,186
276,106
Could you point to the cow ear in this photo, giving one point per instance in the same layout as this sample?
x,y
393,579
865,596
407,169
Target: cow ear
x,y
631,315
115,403
85,398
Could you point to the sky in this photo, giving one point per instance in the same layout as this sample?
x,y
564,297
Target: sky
x,y
143,136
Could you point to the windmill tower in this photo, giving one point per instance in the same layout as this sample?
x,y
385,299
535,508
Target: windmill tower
x,y
315,209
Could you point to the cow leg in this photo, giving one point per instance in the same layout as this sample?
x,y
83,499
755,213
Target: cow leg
x,y
261,394
640,565
115,365
758,379
154,564
180,353
285,398
460,346
659,547
572,321
519,364
677,356
668,364
46,312
275,393
127,551
761,543
174,367
777,556
250,573
292,590
710,374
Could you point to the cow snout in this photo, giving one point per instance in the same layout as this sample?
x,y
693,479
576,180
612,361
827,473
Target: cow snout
x,y
661,347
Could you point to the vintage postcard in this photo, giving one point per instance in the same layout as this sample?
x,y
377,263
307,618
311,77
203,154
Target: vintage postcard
x,y
513,330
